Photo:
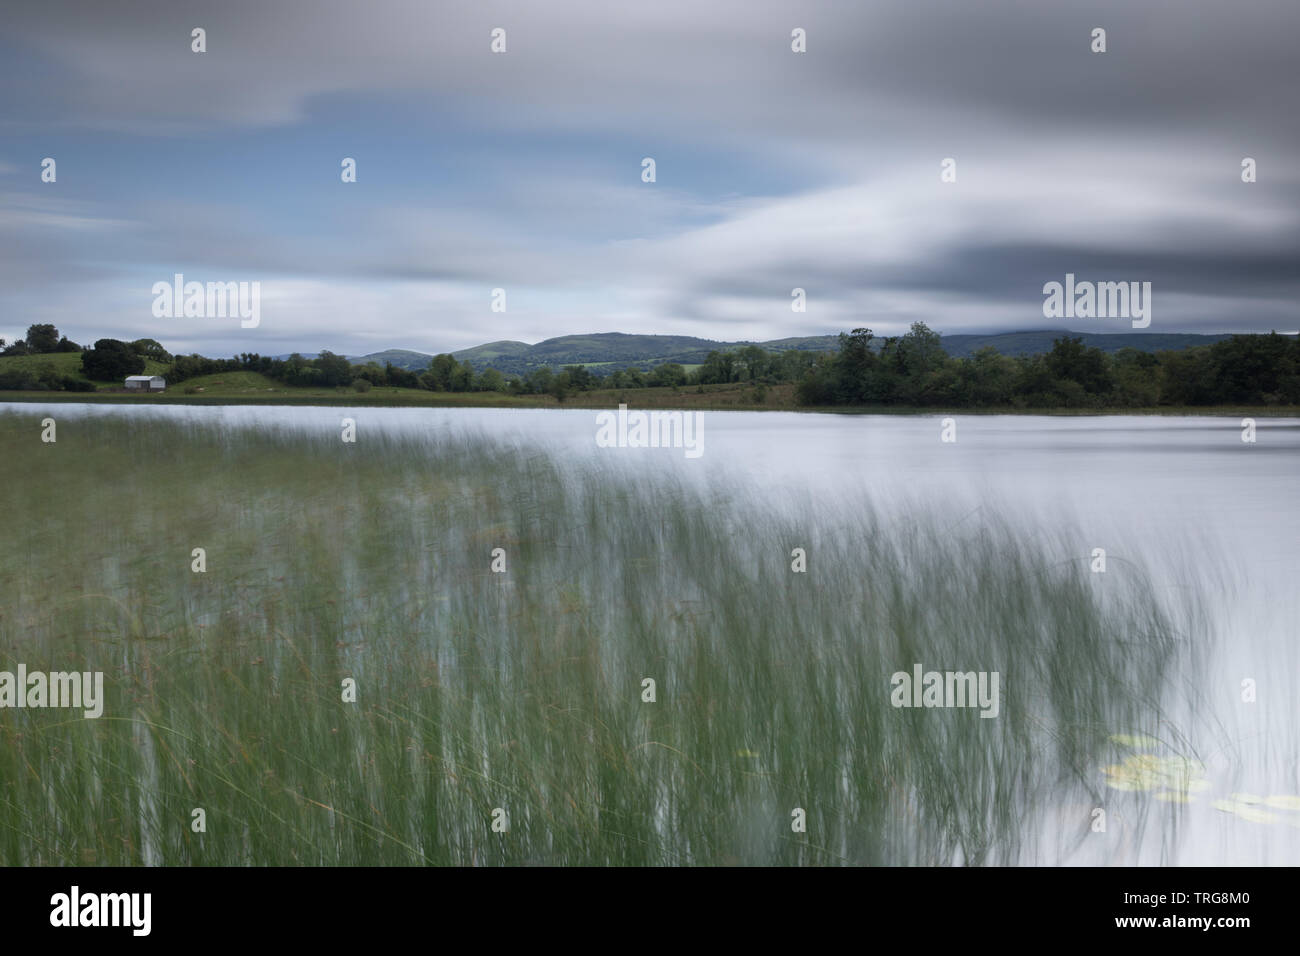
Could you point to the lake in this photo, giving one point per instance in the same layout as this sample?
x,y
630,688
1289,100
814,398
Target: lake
x,y
1210,519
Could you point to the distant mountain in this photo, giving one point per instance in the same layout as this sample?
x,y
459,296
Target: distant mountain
x,y
401,358
610,351
604,351
607,352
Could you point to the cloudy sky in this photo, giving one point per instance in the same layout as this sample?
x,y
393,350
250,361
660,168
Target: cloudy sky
x,y
523,170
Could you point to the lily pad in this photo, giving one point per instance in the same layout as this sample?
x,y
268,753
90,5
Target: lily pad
x,y
1255,815
1145,771
1245,811
1282,802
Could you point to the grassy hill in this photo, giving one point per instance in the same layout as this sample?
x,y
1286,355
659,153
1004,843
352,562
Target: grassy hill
x,y
401,358
67,363
610,351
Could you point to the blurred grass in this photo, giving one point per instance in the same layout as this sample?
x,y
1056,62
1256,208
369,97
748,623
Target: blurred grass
x,y
523,690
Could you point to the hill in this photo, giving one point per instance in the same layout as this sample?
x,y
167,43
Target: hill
x,y
66,363
401,358
610,351
607,352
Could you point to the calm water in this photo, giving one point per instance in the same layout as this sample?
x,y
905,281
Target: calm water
x,y
1207,515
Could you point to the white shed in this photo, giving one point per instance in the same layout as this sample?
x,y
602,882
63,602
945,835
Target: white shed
x,y
145,383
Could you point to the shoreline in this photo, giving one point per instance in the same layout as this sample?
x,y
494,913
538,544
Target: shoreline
x,y
607,400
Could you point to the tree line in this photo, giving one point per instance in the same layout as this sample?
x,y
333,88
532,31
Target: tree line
x,y
447,374
911,370
914,370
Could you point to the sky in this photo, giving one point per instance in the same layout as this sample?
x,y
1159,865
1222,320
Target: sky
x,y
522,170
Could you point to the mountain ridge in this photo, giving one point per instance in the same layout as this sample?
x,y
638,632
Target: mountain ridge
x,y
611,351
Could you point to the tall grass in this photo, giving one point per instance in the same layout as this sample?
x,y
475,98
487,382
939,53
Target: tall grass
x,y
523,691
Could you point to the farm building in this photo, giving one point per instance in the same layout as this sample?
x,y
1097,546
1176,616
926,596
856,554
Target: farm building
x,y
145,383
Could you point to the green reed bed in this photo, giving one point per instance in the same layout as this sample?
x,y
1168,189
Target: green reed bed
x,y
523,690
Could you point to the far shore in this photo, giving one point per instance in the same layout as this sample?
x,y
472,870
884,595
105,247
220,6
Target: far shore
x,y
738,398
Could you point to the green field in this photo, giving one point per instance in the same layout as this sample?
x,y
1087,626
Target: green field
x,y
67,363
522,691
253,388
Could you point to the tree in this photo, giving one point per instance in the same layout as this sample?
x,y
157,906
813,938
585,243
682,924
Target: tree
x,y
334,369
819,384
920,352
42,339
989,377
718,368
437,378
491,381
1252,369
580,378
559,386
111,360
670,373
1136,378
372,373
1071,360
462,378
754,361
541,380
860,375
151,349
400,377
